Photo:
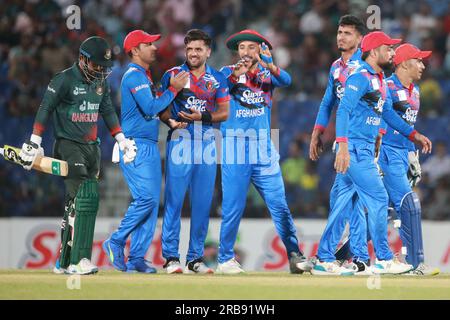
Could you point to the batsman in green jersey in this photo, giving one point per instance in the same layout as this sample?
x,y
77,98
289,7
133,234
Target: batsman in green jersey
x,y
74,98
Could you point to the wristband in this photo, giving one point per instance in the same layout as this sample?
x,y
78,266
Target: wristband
x,y
36,139
206,117
173,90
266,59
119,137
411,135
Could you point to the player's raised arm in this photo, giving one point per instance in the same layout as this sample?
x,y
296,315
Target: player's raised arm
x,y
280,78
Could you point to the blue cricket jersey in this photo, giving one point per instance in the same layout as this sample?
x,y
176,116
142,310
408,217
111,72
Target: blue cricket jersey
x,y
365,102
201,93
406,102
140,106
251,98
339,73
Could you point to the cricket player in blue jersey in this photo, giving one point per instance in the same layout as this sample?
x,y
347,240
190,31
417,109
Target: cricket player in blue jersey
x,y
349,35
248,152
191,161
358,120
397,149
140,108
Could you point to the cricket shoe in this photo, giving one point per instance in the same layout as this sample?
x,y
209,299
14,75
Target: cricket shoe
x,y
57,268
330,269
313,260
299,263
361,268
140,265
115,255
423,270
198,266
393,266
173,265
83,267
230,267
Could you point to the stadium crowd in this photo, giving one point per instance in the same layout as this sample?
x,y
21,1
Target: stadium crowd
x,y
36,43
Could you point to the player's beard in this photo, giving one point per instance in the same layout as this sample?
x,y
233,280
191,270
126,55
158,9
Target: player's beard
x,y
387,65
195,65
342,49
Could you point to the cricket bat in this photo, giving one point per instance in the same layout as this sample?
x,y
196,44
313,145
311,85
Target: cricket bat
x,y
43,164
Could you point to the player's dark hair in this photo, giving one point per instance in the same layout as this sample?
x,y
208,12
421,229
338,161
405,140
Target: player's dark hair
x,y
197,34
351,20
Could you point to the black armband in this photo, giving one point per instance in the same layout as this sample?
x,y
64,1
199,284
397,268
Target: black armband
x,y
206,117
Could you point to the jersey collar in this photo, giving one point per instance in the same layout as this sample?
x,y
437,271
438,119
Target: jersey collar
x,y
142,69
370,69
357,55
135,65
258,69
185,67
398,83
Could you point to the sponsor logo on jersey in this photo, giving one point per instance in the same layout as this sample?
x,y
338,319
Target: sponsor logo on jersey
x,y
379,107
339,91
140,87
99,90
79,90
193,103
89,106
410,115
353,87
250,97
51,89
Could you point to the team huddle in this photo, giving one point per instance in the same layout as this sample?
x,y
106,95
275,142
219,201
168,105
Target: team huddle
x,y
374,133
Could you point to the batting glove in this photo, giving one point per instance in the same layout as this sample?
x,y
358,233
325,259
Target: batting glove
x,y
414,170
128,148
31,149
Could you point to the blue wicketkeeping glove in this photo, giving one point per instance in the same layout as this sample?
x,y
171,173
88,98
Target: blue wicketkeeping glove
x,y
264,58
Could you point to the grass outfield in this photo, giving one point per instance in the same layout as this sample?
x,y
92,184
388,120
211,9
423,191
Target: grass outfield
x,y
25,284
